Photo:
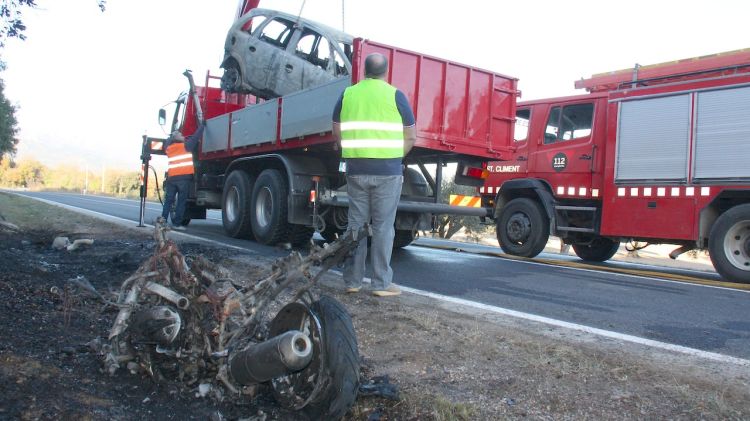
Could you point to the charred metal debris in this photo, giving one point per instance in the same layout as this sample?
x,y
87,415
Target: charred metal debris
x,y
185,319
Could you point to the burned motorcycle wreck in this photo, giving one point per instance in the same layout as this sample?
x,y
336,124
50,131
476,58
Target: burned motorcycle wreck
x,y
184,319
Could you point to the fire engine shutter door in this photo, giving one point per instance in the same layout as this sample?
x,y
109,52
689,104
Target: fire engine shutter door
x,y
722,135
652,139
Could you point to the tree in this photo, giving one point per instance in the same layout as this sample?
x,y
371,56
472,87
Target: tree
x,y
449,225
12,25
8,125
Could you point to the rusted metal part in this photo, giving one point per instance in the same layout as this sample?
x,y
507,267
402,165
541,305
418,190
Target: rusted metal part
x,y
177,299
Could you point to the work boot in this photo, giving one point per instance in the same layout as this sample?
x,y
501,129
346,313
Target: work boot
x,y
353,290
391,291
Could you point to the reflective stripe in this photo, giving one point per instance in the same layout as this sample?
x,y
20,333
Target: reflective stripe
x,y
372,143
182,164
372,125
178,157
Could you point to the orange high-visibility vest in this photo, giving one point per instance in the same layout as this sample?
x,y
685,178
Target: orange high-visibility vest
x,y
180,160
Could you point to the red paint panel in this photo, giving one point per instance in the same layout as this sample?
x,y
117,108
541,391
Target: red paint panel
x,y
479,113
458,108
456,102
672,218
429,114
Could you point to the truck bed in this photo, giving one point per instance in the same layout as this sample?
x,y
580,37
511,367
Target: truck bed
x,y
459,110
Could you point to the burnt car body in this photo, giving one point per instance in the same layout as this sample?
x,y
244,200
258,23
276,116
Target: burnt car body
x,y
269,54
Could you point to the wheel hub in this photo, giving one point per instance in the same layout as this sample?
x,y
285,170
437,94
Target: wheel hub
x,y
737,245
232,205
264,207
518,227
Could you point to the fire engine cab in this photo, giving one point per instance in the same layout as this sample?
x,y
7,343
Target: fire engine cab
x,y
657,153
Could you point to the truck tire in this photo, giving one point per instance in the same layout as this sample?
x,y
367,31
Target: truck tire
x,y
300,235
600,250
268,217
729,244
523,228
403,238
331,233
235,204
327,387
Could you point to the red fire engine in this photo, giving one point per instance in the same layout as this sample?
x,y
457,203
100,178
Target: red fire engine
x,y
656,153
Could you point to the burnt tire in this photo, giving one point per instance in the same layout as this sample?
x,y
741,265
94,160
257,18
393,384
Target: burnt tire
x,y
600,250
268,217
403,238
523,228
729,244
341,361
231,80
236,204
327,387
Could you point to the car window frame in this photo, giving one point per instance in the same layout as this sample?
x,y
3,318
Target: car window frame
x,y
290,39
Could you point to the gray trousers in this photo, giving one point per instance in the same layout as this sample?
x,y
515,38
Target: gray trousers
x,y
372,198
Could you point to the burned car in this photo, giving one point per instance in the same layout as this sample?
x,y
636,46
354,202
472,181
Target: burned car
x,y
270,54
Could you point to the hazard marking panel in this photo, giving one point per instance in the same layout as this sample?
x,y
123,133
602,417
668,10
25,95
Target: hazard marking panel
x,y
469,201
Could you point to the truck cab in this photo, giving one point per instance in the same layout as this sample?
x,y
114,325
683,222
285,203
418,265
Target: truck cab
x,y
555,173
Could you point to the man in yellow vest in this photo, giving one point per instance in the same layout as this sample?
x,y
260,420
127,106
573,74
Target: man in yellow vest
x,y
376,128
180,172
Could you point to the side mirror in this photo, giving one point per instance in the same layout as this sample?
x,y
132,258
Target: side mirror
x,y
162,117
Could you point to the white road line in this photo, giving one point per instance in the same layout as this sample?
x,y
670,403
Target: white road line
x,y
592,330
480,306
572,268
128,222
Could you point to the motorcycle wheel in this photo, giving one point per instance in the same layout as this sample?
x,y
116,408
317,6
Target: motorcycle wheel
x,y
327,387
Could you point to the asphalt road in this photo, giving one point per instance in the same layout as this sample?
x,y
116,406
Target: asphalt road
x,y
707,318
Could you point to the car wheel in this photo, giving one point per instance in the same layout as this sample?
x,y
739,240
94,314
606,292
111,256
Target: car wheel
x,y
269,208
729,244
600,250
523,228
236,205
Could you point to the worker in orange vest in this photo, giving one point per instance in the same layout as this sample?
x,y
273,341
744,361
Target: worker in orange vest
x,y
180,173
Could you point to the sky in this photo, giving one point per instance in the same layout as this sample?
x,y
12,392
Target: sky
x,y
89,84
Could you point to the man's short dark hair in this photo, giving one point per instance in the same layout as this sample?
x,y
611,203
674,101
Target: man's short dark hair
x,y
375,65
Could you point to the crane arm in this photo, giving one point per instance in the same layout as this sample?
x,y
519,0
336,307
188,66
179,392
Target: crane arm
x,y
245,6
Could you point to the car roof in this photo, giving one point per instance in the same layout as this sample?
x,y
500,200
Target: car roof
x,y
332,33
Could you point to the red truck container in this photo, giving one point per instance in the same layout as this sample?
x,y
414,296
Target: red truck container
x,y
274,167
657,154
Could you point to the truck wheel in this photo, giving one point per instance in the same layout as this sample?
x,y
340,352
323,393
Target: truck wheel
x,y
269,208
327,387
235,200
330,233
523,228
600,250
403,238
300,235
729,244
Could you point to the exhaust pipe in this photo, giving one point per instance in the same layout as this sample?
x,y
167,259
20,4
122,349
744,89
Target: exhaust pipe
x,y
281,355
